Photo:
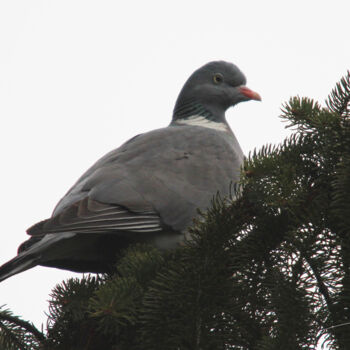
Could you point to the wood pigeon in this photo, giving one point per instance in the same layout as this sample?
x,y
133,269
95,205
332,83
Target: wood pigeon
x,y
147,190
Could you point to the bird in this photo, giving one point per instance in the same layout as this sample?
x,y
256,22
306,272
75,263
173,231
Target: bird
x,y
149,189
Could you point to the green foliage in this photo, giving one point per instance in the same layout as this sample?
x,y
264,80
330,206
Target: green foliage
x,y
69,325
267,269
16,333
116,304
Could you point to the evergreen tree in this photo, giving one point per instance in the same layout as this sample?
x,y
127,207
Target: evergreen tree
x,y
267,269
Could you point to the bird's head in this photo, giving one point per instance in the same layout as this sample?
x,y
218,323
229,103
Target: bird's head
x,y
211,90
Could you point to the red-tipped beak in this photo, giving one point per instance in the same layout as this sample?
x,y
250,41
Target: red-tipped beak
x,y
252,95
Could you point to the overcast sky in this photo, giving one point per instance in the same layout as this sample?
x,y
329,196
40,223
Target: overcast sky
x,y
78,78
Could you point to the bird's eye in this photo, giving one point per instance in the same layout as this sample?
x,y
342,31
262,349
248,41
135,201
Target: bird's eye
x,y
218,78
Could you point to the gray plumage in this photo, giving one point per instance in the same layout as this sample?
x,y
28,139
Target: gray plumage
x,y
149,189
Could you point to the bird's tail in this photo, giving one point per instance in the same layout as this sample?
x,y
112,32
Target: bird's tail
x,y
33,254
21,262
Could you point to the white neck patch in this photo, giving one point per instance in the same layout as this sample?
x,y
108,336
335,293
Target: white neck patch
x,y
198,120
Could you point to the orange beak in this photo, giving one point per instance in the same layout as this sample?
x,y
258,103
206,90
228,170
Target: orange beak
x,y
252,95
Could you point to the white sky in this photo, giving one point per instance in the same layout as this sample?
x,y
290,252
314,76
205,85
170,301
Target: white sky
x,y
78,78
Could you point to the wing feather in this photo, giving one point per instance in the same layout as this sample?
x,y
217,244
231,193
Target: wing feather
x,y
90,216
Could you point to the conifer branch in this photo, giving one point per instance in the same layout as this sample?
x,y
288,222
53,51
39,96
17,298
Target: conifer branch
x,y
320,284
28,326
339,99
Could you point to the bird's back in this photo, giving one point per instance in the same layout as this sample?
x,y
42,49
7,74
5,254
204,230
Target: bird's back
x,y
172,171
